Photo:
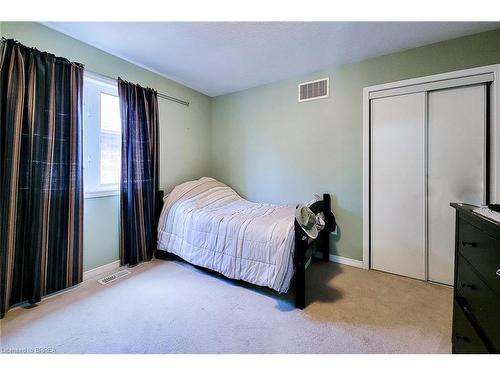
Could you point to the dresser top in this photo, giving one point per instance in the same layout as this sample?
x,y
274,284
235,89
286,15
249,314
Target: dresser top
x,y
484,223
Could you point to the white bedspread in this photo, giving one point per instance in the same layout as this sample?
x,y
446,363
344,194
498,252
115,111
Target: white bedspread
x,y
208,224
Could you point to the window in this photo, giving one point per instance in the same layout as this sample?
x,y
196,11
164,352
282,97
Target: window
x,y
110,140
102,137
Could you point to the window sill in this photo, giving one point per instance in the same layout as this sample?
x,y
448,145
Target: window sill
x,y
100,194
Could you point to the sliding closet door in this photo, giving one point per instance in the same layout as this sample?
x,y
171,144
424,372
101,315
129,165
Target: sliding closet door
x,y
456,168
398,184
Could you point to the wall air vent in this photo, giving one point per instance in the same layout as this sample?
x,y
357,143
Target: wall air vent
x,y
113,277
313,90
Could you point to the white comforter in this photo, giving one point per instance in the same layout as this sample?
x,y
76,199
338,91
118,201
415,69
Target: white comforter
x,y
208,224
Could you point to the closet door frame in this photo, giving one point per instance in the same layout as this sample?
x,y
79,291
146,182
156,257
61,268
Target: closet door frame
x,y
489,74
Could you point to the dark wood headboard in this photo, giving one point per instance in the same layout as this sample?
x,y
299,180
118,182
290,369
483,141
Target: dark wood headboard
x,y
325,206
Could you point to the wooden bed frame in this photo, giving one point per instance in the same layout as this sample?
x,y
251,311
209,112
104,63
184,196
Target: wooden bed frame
x,y
304,245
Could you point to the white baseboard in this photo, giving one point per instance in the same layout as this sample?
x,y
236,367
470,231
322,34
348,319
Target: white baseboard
x,y
346,261
342,260
107,268
113,266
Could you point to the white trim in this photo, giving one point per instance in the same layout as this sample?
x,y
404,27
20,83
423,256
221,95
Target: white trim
x,y
494,114
434,85
100,193
107,268
100,78
341,260
93,93
346,261
366,178
25,303
87,275
436,77
426,187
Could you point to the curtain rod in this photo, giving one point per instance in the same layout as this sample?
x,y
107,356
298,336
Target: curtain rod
x,y
159,94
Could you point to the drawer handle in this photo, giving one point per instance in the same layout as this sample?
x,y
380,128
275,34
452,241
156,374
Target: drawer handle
x,y
498,272
471,244
463,338
463,303
463,285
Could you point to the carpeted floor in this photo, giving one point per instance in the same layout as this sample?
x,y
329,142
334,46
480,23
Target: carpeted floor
x,y
172,307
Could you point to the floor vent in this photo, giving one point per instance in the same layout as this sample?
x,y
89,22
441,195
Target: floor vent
x,y
113,277
314,90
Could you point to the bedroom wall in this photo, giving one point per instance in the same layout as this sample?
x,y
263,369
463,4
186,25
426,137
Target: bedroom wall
x,y
184,131
271,148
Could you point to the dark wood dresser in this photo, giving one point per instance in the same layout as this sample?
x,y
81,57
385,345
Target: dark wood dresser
x,y
476,306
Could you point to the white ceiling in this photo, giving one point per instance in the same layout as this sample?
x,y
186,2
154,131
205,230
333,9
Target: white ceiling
x,y
217,58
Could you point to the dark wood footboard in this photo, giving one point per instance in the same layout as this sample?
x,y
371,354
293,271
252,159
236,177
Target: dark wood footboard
x,y
304,246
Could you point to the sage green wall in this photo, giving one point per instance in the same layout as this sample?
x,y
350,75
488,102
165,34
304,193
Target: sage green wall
x,y
184,131
261,141
271,148
101,231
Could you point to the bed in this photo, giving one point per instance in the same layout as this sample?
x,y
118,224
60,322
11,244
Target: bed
x,y
206,223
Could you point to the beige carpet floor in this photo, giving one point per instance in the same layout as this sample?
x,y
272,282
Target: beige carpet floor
x,y
172,307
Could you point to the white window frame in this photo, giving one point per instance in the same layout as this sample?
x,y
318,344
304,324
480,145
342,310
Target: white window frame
x,y
91,137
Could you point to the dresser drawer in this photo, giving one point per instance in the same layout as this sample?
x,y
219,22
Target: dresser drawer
x,y
465,339
479,301
482,252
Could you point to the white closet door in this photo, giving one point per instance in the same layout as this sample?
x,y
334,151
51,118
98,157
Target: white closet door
x,y
398,184
456,168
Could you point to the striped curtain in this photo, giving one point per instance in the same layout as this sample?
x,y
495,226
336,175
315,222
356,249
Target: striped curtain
x,y
139,175
40,174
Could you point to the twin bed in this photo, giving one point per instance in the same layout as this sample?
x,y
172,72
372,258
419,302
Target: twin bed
x,y
208,224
